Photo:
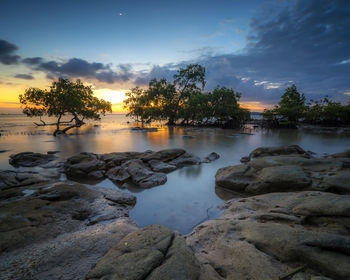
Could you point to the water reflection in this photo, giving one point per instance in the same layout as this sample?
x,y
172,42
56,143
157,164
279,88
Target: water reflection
x,y
190,195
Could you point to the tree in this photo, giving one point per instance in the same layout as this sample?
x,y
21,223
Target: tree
x,y
291,105
64,98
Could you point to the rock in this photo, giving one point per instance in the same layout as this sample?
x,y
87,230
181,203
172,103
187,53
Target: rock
x,y
29,159
267,236
96,175
282,173
339,182
280,178
154,180
116,159
211,157
275,151
153,252
11,179
185,159
120,197
245,159
81,165
52,152
159,166
345,154
233,177
118,174
66,256
164,155
137,170
55,209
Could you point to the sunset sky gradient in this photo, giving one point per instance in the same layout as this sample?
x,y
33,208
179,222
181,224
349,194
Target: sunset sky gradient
x,y
257,47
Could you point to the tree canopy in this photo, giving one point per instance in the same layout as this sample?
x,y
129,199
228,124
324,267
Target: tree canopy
x,y
64,98
292,108
183,99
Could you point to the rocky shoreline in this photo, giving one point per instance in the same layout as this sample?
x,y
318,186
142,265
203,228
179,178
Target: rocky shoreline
x,y
293,222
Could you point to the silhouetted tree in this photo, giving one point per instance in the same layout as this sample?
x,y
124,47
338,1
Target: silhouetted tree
x,y
64,98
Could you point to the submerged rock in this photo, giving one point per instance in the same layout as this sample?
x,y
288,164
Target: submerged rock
x,y
211,157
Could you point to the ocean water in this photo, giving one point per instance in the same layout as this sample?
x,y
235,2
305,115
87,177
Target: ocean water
x,y
189,196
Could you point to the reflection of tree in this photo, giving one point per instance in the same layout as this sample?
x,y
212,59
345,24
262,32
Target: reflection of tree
x,y
191,171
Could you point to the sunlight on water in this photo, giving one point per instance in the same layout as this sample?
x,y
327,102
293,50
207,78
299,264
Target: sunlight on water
x,y
189,196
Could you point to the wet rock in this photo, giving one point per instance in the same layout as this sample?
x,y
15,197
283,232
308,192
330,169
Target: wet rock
x,y
211,157
275,151
185,159
137,170
159,166
30,159
164,155
245,159
118,174
96,175
11,179
153,252
155,179
81,165
52,152
120,197
339,182
345,154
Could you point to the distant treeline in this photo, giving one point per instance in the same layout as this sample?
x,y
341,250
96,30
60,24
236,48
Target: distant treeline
x,y
183,101
293,108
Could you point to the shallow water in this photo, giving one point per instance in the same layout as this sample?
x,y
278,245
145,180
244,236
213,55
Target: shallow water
x,y
189,196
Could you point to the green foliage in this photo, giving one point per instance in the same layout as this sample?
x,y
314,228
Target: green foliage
x,y
64,98
292,108
183,99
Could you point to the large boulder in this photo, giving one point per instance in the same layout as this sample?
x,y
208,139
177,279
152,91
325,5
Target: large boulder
x,y
277,151
268,236
30,159
153,252
85,166
280,173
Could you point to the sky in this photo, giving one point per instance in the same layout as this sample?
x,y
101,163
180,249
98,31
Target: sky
x,y
256,47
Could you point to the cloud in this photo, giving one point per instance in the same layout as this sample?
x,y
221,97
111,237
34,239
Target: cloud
x,y
302,42
6,53
80,68
24,76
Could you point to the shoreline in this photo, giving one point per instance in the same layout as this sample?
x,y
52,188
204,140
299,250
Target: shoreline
x,y
246,236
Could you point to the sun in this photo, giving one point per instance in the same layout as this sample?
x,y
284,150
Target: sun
x,y
116,97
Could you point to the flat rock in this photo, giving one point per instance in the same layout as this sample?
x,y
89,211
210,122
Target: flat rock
x,y
276,151
159,166
267,236
154,252
11,179
185,159
164,155
30,159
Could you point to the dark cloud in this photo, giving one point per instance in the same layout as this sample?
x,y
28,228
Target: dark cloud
x,y
24,76
79,68
304,42
158,72
6,53
32,60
